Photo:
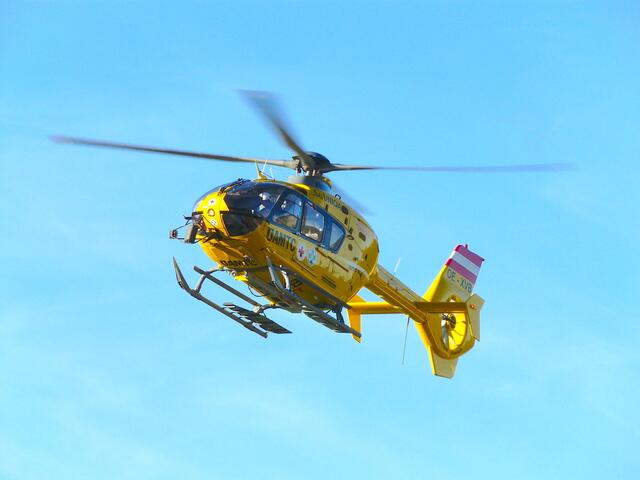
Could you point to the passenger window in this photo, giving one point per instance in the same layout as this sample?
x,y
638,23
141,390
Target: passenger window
x,y
313,224
335,236
288,211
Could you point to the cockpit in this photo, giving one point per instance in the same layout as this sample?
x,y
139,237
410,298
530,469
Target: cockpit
x,y
255,198
250,203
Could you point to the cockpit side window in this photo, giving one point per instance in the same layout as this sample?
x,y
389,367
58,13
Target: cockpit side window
x,y
289,211
335,236
313,223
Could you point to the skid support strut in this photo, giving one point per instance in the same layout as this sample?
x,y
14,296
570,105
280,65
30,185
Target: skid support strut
x,y
253,320
285,298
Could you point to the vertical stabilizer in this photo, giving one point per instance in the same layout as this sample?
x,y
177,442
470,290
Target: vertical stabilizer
x,y
459,331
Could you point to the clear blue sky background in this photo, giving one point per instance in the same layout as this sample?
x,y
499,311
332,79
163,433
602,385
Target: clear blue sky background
x,y
108,370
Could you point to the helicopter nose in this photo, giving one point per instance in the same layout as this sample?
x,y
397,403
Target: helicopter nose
x,y
208,208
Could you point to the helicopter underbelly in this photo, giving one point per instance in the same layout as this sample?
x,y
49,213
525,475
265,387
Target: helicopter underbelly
x,y
311,264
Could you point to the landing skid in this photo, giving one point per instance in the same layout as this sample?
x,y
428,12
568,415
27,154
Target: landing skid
x,y
254,319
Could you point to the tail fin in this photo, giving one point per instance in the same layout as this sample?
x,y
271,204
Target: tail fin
x,y
459,331
447,316
457,277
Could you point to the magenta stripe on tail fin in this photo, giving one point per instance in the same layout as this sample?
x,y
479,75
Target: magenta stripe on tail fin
x,y
465,262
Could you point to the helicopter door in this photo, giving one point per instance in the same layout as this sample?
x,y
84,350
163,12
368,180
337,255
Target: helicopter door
x,y
313,223
312,230
327,236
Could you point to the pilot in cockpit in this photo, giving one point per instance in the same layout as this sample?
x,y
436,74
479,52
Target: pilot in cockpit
x,y
267,201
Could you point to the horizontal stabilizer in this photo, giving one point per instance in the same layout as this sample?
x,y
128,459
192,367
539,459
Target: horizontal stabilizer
x,y
355,319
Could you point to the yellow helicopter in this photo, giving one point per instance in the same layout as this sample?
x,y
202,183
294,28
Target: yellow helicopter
x,y
300,247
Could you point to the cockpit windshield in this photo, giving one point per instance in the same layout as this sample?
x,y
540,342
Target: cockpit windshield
x,y
255,198
213,190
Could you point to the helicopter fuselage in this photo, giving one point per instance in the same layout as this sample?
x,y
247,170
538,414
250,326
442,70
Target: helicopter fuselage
x,y
245,225
303,249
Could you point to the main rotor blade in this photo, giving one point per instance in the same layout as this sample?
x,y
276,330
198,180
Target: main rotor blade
x,y
532,167
267,105
183,153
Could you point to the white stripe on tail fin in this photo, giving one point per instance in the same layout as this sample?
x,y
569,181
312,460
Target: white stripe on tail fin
x,y
463,269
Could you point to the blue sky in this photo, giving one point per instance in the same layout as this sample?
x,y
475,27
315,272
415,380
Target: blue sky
x,y
108,370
